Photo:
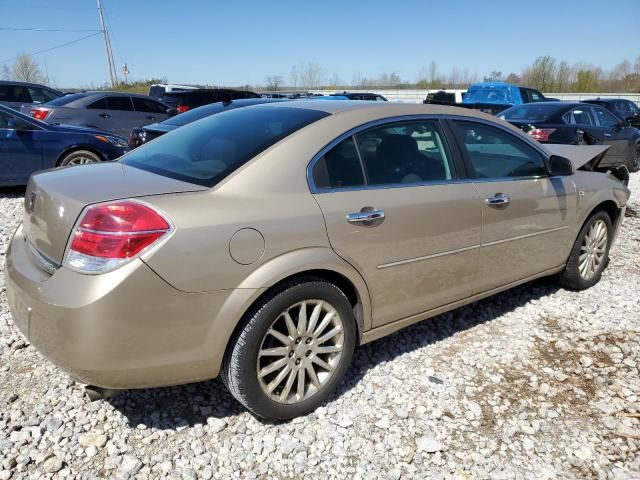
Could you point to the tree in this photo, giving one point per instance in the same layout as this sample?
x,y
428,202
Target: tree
x,y
495,76
541,74
273,82
294,76
26,69
587,81
513,78
563,77
311,75
5,73
335,80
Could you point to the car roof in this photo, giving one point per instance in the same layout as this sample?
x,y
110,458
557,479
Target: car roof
x,y
26,84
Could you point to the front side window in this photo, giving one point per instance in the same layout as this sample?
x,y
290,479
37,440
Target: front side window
x,y
496,153
605,119
580,116
40,95
206,151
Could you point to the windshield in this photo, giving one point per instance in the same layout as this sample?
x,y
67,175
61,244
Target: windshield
x,y
206,151
493,94
66,99
538,112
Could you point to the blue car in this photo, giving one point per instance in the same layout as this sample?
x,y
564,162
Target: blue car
x,y
494,97
28,145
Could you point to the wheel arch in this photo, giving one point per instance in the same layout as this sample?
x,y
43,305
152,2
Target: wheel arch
x,y
320,262
75,148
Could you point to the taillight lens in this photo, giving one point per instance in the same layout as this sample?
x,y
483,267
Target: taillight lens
x,y
110,234
182,108
40,114
541,134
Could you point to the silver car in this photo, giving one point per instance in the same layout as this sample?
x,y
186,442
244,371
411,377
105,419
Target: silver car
x,y
111,111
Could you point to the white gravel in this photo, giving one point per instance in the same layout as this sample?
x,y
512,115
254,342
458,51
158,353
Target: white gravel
x,y
537,382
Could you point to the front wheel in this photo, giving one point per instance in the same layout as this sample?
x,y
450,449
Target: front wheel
x,y
293,350
79,157
590,253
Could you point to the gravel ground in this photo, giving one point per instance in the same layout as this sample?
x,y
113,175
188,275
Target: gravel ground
x,y
537,382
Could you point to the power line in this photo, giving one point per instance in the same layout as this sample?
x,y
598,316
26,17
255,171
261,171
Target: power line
x,y
54,47
29,29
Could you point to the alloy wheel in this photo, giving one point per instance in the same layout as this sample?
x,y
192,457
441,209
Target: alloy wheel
x,y
300,351
593,249
81,160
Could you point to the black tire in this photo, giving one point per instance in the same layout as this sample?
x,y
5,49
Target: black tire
x,y
634,163
239,370
570,277
76,155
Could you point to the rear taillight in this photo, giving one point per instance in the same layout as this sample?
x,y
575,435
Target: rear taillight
x,y
541,134
182,108
40,113
110,234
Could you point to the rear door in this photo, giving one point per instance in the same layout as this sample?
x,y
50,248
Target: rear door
x,y
20,149
396,208
149,111
525,212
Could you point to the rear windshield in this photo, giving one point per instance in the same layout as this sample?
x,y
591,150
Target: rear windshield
x,y
58,102
195,114
206,151
538,112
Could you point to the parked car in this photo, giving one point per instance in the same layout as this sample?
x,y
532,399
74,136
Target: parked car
x,y
493,97
16,94
111,111
623,108
188,99
157,90
28,145
445,97
141,135
374,97
264,243
578,123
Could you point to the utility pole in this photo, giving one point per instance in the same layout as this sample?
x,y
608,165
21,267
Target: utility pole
x,y
107,46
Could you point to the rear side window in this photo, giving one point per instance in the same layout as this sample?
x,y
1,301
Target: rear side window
x,y
99,104
206,151
120,103
339,167
495,153
580,116
146,105
40,95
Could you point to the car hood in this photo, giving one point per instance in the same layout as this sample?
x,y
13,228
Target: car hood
x,y
579,155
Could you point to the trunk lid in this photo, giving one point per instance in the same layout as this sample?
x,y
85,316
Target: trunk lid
x,y
54,198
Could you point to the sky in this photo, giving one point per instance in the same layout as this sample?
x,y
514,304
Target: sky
x,y
236,43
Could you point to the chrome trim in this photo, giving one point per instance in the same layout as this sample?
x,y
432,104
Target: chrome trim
x,y
526,235
117,234
366,216
426,257
499,200
47,264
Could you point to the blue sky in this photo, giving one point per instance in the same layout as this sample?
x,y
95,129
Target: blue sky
x,y
223,43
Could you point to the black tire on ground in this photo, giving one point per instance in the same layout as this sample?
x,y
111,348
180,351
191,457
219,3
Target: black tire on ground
x,y
78,157
239,369
634,163
570,277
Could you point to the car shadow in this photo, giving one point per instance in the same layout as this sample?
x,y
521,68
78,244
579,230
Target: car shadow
x,y
184,406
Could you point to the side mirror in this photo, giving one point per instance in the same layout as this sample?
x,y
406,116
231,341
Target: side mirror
x,y
172,112
560,166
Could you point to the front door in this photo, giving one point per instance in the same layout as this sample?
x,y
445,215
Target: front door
x,y
525,212
395,210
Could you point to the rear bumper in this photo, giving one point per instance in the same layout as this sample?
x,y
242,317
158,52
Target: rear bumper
x,y
124,329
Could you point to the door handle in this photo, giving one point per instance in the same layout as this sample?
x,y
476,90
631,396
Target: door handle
x,y
104,115
607,135
150,117
498,200
368,218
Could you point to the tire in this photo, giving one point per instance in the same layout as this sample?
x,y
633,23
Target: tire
x,y
572,277
634,162
242,363
79,157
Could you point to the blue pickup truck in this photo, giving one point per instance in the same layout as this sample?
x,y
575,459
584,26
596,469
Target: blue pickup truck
x,y
493,97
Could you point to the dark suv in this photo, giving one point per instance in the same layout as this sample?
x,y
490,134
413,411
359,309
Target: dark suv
x,y
623,108
184,100
15,94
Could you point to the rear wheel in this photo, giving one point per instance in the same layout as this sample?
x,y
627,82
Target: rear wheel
x,y
634,165
79,157
590,253
293,350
